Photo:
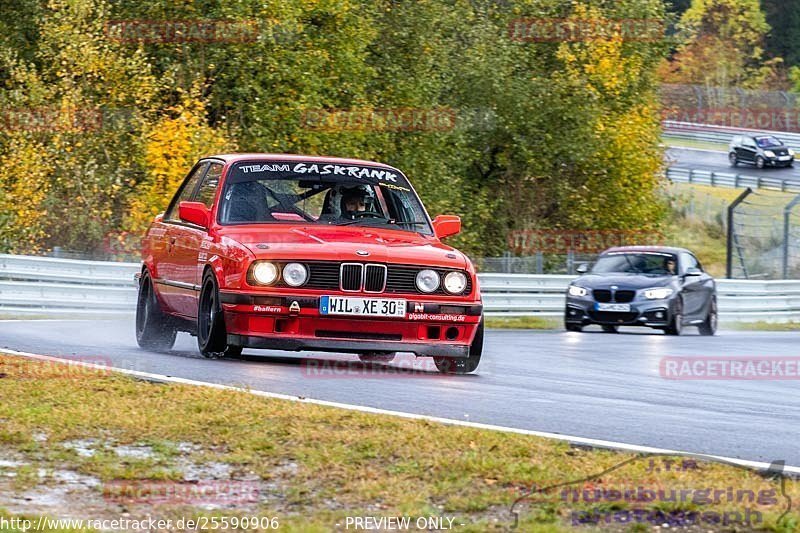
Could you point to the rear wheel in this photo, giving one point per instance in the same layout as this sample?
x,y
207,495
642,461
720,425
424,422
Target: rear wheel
x,y
759,162
733,159
610,328
377,357
573,327
676,324
463,365
709,327
212,337
154,330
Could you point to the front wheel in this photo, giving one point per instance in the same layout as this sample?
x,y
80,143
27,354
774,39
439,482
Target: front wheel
x,y
733,159
212,337
759,162
154,330
610,329
676,324
463,365
709,326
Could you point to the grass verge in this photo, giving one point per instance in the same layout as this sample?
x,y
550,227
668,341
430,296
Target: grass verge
x,y
315,468
523,322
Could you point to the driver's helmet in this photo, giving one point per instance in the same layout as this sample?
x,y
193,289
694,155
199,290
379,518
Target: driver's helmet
x,y
354,200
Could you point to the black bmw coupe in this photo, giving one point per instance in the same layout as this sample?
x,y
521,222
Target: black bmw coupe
x,y
655,286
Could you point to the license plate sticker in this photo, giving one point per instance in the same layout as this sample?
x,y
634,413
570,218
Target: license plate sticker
x,y
620,308
355,306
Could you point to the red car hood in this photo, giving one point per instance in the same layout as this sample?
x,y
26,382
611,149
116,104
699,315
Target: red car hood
x,y
331,243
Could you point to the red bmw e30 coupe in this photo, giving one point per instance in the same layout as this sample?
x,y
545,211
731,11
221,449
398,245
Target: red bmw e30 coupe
x,y
289,252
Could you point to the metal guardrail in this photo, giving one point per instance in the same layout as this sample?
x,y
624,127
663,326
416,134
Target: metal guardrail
x,y
721,134
726,179
57,287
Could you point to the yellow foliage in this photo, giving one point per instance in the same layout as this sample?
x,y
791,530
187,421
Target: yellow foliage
x,y
171,146
24,185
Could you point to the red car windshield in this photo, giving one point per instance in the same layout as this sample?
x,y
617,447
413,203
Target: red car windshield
x,y
320,193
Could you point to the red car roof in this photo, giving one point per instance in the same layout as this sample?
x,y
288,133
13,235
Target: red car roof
x,y
232,158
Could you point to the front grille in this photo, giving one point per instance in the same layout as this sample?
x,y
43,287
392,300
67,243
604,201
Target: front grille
x,y
350,277
602,295
605,295
624,297
374,278
610,317
377,278
358,335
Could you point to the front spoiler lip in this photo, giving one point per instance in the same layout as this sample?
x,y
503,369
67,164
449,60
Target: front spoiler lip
x,y
348,346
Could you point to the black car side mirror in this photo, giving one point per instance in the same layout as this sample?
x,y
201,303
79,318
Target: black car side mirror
x,y
583,268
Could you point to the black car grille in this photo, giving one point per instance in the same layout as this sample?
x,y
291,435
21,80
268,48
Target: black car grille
x,y
377,278
605,295
611,317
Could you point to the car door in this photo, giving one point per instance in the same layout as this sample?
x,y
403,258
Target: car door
x,y
748,150
695,289
191,248
174,284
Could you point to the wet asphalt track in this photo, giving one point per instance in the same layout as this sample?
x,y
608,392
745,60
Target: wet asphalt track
x,y
591,384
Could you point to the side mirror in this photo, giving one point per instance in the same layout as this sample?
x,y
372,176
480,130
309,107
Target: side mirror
x,y
583,268
446,225
195,213
693,271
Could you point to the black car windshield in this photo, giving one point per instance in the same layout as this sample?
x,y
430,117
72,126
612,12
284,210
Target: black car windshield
x,y
647,263
320,193
768,142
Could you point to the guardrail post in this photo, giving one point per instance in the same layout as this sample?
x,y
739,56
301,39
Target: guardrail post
x,y
729,251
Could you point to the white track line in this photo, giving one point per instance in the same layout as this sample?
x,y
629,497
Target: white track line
x,y
621,446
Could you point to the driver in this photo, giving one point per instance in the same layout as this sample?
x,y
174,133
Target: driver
x,y
354,201
669,265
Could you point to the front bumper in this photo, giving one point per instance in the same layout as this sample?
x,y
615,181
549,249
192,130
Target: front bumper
x,y
776,162
294,323
652,313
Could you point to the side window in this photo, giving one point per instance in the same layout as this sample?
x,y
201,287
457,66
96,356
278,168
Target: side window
x,y
688,261
185,193
209,186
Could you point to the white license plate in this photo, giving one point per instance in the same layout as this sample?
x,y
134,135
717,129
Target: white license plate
x,y
784,157
353,306
622,308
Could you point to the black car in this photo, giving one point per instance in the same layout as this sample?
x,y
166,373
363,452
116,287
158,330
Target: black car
x,y
655,286
760,150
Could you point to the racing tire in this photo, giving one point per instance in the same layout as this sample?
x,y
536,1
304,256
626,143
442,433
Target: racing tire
x,y
709,326
377,357
573,327
734,161
608,328
463,365
676,324
212,337
759,162
154,329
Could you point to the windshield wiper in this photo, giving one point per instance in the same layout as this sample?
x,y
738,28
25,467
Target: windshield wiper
x,y
628,259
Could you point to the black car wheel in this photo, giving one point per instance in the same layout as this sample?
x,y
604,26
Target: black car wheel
x,y
463,365
676,324
573,327
709,326
211,333
153,328
608,328
759,162
733,159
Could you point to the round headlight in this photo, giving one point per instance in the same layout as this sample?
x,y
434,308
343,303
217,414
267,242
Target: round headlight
x,y
427,280
265,273
455,282
295,274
